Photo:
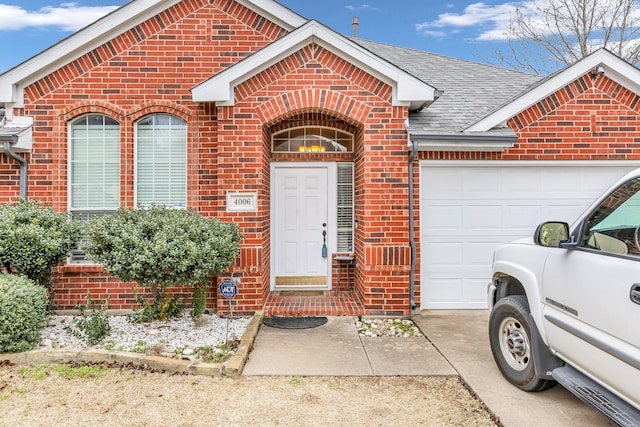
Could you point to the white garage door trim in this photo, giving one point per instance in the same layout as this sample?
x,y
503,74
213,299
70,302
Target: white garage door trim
x,y
468,207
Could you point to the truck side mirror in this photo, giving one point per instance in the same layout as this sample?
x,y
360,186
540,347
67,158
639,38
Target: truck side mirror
x,y
550,234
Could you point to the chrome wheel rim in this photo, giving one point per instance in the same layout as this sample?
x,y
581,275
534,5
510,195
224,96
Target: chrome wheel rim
x,y
514,344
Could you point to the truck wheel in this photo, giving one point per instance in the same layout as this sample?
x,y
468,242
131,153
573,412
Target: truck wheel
x,y
510,339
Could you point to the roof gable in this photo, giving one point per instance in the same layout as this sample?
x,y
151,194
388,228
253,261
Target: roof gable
x,y
13,82
407,89
601,61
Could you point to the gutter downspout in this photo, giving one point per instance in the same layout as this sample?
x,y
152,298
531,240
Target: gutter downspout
x,y
413,152
24,167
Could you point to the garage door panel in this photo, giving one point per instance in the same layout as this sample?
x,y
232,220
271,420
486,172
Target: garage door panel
x,y
520,181
448,182
488,216
467,256
476,253
564,212
445,254
488,180
521,216
443,291
468,209
444,217
475,292
463,293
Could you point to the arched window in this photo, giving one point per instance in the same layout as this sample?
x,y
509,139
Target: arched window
x,y
312,140
161,161
94,164
94,170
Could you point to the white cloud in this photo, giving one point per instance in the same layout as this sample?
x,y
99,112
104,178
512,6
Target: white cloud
x,y
354,8
492,20
67,16
435,34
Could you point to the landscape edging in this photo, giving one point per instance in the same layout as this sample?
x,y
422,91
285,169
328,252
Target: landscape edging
x,y
232,367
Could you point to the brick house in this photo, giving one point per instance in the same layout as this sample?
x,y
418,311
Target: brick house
x,y
366,178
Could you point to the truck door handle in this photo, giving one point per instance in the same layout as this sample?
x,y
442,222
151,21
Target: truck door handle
x,y
635,293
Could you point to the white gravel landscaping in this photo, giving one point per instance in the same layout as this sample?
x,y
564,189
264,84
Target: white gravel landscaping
x,y
178,337
181,336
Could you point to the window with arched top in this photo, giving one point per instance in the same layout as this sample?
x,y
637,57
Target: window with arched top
x,y
312,139
161,161
94,163
94,170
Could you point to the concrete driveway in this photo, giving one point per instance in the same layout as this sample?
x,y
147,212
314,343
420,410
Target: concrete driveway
x,y
461,337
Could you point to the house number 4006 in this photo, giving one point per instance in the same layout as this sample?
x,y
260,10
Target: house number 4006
x,y
242,202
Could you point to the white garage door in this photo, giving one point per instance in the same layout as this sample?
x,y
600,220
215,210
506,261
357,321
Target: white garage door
x,y
467,208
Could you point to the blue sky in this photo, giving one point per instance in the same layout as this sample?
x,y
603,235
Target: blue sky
x,y
459,28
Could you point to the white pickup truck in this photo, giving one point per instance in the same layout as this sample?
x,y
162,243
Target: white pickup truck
x,y
565,305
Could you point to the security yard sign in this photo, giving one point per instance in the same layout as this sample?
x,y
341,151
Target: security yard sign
x,y
228,289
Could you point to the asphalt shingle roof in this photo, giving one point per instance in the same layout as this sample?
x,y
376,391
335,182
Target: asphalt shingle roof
x,y
471,90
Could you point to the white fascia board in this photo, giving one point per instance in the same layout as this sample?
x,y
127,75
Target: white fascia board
x,y
13,82
614,67
275,12
406,88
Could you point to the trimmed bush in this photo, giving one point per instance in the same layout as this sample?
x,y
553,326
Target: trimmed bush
x,y
92,325
35,239
23,313
159,247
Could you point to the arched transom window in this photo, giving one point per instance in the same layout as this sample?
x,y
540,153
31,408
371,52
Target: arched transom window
x,y
312,140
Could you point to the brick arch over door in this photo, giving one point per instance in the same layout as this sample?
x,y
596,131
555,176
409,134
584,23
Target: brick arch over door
x,y
352,110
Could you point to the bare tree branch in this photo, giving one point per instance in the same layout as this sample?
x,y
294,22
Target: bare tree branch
x,y
549,34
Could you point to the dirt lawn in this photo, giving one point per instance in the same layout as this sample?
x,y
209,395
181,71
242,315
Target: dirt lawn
x,y
62,395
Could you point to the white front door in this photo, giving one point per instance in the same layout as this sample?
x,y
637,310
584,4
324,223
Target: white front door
x,y
300,221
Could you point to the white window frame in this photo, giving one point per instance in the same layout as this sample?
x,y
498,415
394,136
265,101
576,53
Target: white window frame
x,y
76,255
309,148
135,159
339,184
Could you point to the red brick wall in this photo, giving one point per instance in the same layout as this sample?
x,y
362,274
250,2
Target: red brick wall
x,y
589,119
152,68
149,69
315,87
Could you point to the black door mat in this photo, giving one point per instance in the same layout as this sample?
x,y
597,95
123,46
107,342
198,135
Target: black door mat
x,y
294,322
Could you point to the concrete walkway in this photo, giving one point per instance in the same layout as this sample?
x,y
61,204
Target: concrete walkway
x,y
461,336
336,349
456,344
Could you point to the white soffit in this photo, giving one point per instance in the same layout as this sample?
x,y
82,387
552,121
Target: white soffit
x,y
407,89
13,82
613,67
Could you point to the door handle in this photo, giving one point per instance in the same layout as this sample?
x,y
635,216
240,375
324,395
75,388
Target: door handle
x,y
635,293
324,243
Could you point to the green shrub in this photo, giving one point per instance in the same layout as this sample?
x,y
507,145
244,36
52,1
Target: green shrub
x,y
92,325
35,239
23,313
199,301
163,307
159,246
